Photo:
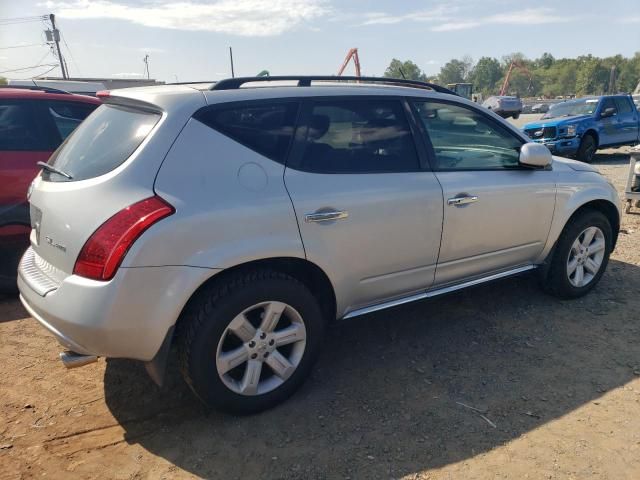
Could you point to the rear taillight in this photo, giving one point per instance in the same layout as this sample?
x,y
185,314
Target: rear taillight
x,y
102,254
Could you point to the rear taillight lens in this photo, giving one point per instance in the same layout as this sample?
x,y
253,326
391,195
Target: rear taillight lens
x,y
102,254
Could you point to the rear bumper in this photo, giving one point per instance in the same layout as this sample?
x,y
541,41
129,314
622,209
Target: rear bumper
x,y
127,317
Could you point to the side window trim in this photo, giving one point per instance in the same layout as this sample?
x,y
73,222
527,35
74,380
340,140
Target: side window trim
x,y
296,152
429,145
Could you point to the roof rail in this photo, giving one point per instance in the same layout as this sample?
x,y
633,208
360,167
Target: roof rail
x,y
36,87
305,81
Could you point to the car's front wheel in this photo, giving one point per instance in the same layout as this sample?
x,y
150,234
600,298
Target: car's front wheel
x,y
587,148
581,255
248,343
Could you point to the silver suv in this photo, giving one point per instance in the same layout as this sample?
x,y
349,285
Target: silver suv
x,y
236,223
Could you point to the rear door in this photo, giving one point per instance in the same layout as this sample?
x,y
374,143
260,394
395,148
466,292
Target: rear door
x,y
497,214
369,213
627,119
24,141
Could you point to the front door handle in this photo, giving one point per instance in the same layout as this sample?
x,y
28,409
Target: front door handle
x,y
457,201
325,216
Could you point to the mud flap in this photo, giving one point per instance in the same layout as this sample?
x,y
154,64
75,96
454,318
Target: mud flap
x,y
157,367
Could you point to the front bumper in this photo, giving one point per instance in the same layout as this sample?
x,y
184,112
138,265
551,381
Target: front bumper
x,y
562,146
126,317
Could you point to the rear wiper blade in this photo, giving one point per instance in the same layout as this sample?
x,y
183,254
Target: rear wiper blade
x,y
49,168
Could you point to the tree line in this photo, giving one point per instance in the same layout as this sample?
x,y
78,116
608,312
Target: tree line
x,y
545,76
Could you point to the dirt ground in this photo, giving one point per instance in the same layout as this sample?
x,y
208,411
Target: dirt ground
x,y
554,386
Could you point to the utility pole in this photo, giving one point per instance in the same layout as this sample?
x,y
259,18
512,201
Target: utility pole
x,y
146,64
231,58
56,39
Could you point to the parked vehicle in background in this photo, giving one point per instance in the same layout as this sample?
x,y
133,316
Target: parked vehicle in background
x,y
636,101
540,108
33,123
465,90
505,106
580,127
237,222
526,108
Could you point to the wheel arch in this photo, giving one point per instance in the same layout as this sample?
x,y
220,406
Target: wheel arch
x,y
594,134
605,207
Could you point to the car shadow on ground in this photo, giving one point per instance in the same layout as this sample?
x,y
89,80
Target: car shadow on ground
x,y
611,158
385,397
14,310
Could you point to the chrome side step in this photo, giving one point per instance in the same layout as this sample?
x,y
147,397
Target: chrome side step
x,y
74,360
437,291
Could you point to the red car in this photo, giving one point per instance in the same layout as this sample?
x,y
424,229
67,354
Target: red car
x,y
33,123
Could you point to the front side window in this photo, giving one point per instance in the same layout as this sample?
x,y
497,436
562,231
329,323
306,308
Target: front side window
x,y
465,139
358,136
266,128
608,103
68,115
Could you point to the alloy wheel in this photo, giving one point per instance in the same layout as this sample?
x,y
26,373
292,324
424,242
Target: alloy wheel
x,y
261,348
586,257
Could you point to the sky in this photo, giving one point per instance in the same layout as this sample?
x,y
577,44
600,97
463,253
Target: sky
x,y
188,40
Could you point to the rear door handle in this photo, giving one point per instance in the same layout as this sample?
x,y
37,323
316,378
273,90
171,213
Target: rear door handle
x,y
325,216
457,201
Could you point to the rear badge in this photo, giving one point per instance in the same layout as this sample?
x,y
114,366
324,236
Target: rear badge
x,y
59,246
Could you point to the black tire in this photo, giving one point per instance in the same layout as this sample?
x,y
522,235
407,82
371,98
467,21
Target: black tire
x,y
206,319
587,149
516,116
557,280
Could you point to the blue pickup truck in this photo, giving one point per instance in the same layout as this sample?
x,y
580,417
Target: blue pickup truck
x,y
577,128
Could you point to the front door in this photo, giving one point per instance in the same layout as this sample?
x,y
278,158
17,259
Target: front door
x,y
369,215
497,214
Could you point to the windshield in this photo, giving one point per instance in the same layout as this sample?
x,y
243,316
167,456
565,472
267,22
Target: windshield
x,y
101,143
568,109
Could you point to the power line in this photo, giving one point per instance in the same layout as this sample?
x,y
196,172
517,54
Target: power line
x,y
16,20
23,46
30,68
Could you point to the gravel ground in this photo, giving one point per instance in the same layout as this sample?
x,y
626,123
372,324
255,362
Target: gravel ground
x,y
554,386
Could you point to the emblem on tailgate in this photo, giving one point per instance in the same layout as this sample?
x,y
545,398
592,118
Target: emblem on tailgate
x,y
59,246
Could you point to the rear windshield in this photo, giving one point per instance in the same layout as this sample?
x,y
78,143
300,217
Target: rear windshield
x,y
101,143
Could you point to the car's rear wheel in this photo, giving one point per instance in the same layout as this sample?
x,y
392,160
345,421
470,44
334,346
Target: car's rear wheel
x,y
516,116
587,149
248,343
581,255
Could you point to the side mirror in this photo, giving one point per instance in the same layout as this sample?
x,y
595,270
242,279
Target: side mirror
x,y
535,155
608,112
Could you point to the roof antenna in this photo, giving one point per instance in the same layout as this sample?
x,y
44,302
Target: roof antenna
x,y
402,73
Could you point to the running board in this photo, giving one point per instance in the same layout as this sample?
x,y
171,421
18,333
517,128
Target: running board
x,y
437,291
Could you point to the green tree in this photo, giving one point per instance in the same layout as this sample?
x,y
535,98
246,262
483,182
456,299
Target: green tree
x,y
485,75
406,69
454,71
3,81
592,76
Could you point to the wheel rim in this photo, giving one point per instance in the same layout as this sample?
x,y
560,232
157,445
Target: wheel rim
x,y
586,257
261,348
590,149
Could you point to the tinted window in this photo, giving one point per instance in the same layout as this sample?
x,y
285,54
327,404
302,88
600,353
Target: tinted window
x,y
608,103
465,139
68,115
265,128
358,136
102,142
623,105
18,128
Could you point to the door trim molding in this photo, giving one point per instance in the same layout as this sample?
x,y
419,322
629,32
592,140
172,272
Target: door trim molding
x,y
437,291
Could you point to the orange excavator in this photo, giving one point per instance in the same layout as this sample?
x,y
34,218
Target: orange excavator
x,y
520,66
352,54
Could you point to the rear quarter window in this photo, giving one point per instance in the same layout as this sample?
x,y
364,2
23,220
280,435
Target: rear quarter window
x,y
101,143
266,128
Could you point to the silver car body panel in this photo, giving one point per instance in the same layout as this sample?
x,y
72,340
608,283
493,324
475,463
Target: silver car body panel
x,y
234,206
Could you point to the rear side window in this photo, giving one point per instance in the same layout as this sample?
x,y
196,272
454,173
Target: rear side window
x,y
19,129
623,105
101,143
266,128
358,136
68,115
